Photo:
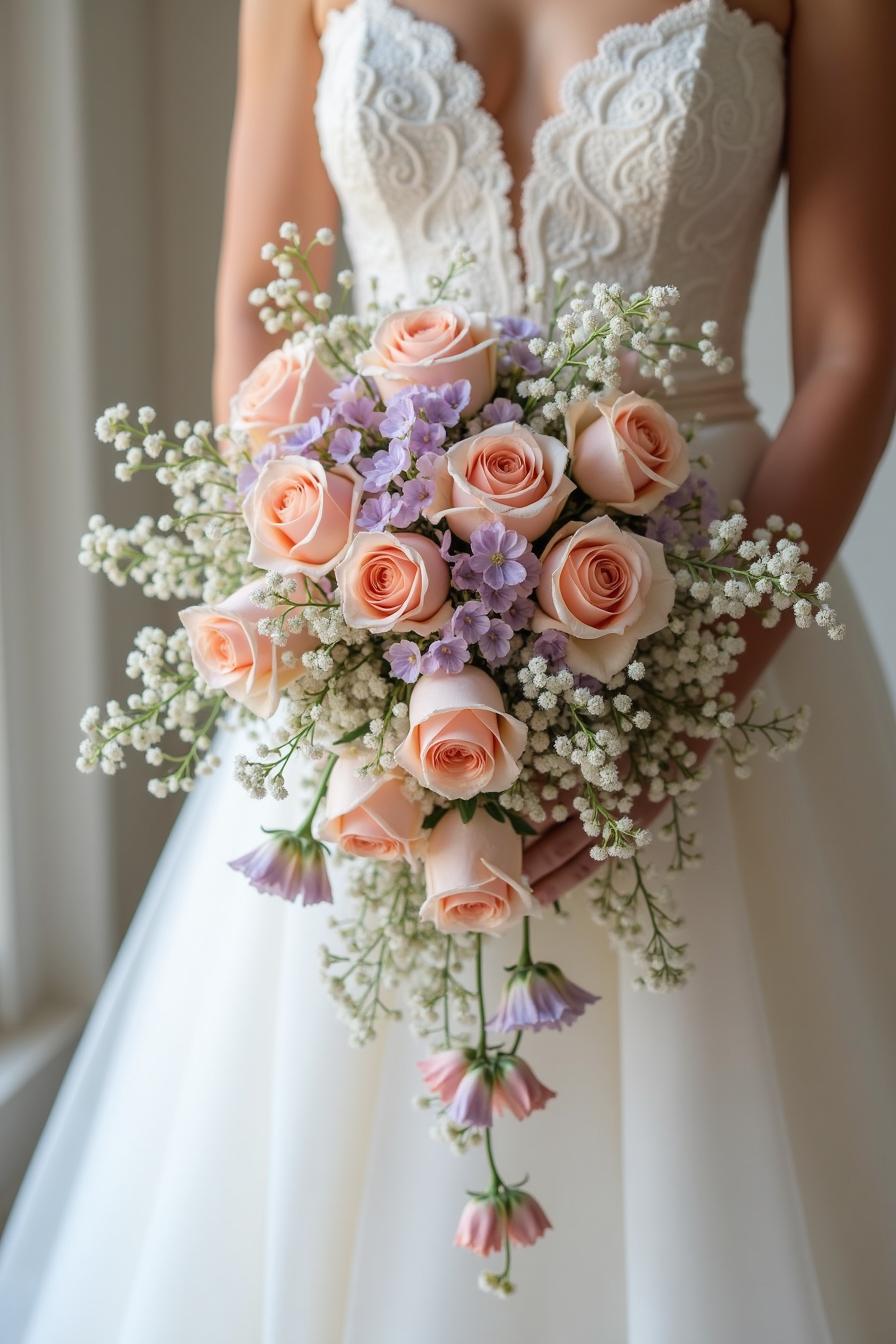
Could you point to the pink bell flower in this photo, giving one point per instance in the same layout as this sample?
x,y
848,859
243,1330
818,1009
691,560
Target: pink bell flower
x,y
482,1225
516,1088
444,1071
526,1219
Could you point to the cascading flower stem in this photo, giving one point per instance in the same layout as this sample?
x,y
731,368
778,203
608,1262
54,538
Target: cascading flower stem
x,y
498,1189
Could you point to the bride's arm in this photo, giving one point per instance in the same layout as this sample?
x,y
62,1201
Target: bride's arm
x,y
274,173
842,226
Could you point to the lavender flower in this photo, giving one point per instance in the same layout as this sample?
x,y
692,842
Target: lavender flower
x,y
519,613
377,512
416,494
447,654
287,865
360,413
540,995
426,437
298,441
441,406
472,1101
518,332
399,418
494,645
470,621
500,412
551,645
463,575
405,660
495,556
345,445
381,470
518,328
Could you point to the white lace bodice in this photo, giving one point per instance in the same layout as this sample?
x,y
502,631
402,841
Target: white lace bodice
x,y
660,167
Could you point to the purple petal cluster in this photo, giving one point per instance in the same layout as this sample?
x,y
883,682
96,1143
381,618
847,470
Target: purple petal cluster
x,y
517,332
540,996
552,645
447,654
380,470
405,660
501,411
287,865
502,569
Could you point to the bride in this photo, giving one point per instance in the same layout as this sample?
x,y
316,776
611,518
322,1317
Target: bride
x,y
220,1166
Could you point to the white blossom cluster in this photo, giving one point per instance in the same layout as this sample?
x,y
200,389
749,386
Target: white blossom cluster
x,y
173,701
592,335
198,550
384,946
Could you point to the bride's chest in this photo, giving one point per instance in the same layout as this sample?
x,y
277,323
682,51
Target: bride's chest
x,y
555,151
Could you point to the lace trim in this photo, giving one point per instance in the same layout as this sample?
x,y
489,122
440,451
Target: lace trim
x,y
433,166
480,176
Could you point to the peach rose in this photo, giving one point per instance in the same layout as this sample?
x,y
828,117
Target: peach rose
x,y
371,816
286,388
626,452
231,655
474,876
461,741
300,517
506,472
394,581
606,588
432,346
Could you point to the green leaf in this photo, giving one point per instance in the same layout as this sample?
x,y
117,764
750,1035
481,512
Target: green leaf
x,y
495,810
352,736
519,825
434,818
467,808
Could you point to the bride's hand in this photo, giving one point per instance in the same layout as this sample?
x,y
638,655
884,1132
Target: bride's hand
x,y
560,858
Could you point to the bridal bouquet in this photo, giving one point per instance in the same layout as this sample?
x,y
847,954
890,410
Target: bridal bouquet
x,y
446,558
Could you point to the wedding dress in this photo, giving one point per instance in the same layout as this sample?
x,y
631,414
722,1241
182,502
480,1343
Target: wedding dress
x,y
220,1168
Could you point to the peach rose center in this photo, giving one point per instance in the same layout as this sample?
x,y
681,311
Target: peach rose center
x,y
487,905
388,581
467,757
598,583
371,847
223,647
425,335
647,443
505,467
293,500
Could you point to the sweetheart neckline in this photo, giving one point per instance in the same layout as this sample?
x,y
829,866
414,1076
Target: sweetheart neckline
x,y
515,230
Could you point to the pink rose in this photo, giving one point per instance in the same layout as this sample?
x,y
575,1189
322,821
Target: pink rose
x,y
300,517
285,389
371,815
461,741
474,876
394,581
606,589
230,654
626,452
432,346
506,472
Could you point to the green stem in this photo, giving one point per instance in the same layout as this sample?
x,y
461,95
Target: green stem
x,y
305,828
480,998
525,960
